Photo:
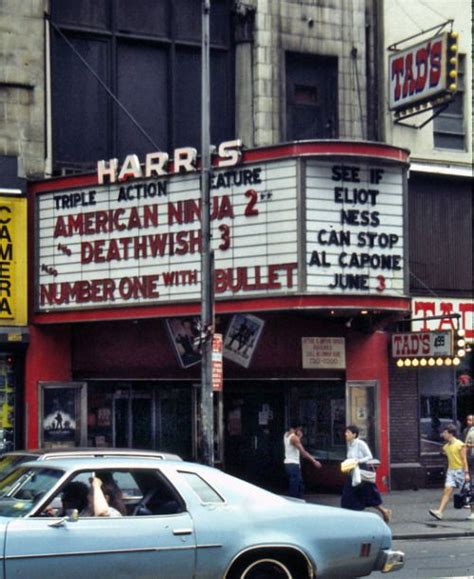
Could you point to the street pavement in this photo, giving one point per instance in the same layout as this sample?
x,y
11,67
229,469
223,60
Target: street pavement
x,y
410,517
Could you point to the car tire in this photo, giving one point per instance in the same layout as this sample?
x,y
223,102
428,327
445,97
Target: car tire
x,y
263,568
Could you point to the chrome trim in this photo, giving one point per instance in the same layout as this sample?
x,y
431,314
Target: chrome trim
x,y
311,566
104,552
393,560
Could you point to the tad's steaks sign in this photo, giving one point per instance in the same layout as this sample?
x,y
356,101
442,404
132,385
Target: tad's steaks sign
x,y
422,344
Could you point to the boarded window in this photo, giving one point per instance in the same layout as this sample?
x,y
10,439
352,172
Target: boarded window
x,y
311,89
148,54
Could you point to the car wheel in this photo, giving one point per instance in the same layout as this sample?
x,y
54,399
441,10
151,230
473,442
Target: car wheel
x,y
265,568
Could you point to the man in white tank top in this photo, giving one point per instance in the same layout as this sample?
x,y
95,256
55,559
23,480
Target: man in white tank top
x,y
294,450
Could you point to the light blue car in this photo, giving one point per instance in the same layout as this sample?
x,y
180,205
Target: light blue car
x,y
182,520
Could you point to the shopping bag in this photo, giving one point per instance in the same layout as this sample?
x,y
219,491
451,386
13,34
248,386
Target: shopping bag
x,y
465,496
348,465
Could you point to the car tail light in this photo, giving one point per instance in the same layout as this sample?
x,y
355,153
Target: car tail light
x,y
365,549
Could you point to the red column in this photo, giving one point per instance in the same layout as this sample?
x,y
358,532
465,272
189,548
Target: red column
x,y
367,359
48,358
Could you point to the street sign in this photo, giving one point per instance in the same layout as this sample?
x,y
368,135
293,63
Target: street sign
x,y
217,366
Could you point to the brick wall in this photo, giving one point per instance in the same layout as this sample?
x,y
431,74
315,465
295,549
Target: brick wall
x,y
404,422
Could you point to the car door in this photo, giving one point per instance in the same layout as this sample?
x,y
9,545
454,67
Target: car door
x,y
158,546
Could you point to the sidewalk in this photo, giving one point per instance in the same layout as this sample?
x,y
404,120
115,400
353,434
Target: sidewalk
x,y
410,518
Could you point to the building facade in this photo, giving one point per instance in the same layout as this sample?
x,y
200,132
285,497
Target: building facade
x,y
309,286
425,399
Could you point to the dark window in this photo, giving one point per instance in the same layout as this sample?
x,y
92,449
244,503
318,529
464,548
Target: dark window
x,y
449,126
311,83
148,54
440,233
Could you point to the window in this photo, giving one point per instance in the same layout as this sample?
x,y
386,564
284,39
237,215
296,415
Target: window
x,y
146,53
203,490
437,407
311,97
135,492
448,126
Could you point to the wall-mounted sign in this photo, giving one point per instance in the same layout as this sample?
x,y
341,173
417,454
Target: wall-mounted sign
x,y
427,307
13,270
158,163
423,72
138,242
323,353
185,337
354,228
422,344
242,337
217,364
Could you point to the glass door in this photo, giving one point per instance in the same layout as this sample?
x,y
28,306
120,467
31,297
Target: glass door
x,y
362,411
133,419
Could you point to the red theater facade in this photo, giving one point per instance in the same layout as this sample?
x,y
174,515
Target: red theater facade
x,y
309,243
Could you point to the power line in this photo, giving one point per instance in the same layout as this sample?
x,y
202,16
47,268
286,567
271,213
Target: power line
x,y
407,14
102,84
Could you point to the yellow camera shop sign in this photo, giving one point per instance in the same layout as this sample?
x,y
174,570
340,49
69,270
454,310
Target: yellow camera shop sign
x,y
13,272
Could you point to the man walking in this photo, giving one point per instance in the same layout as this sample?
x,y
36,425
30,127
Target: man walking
x,y
294,450
457,472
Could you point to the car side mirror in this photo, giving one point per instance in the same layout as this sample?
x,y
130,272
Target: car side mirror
x,y
73,517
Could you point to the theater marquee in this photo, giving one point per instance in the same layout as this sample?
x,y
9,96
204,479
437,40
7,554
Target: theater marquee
x,y
313,218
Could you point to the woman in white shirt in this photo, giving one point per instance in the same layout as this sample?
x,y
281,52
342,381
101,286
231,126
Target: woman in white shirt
x,y
357,497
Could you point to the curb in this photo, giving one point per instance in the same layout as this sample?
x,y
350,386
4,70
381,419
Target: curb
x,y
424,536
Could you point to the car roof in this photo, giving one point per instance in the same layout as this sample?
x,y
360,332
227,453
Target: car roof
x,y
76,452
96,462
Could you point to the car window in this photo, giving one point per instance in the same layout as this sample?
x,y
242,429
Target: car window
x,y
203,490
9,462
136,492
24,488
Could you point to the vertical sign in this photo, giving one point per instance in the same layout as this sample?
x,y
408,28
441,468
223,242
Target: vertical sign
x,y
13,275
217,366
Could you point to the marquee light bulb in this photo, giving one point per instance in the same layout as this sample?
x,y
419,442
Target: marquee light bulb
x,y
448,362
439,361
461,353
456,361
415,362
399,362
461,333
407,362
423,362
431,362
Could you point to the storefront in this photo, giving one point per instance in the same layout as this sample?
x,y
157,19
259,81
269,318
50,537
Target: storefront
x,y
435,392
309,243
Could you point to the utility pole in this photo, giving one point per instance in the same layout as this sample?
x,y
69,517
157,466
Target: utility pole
x,y
207,306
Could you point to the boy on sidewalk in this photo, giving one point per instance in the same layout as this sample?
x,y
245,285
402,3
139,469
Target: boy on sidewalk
x,y
457,472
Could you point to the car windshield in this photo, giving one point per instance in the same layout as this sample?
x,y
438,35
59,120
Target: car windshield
x,y
8,463
23,488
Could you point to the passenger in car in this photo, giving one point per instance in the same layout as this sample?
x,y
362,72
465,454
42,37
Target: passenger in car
x,y
74,497
104,500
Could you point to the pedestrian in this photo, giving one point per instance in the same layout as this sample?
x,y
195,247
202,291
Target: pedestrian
x,y
458,471
358,495
468,437
294,450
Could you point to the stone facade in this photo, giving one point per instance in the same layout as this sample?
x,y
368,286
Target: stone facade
x,y
22,84
331,28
